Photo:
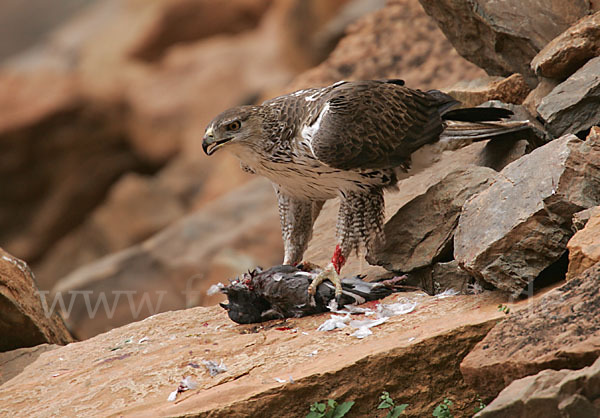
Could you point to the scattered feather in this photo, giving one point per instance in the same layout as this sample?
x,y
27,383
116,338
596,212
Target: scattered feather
x,y
186,383
214,289
214,368
392,309
362,332
335,322
447,293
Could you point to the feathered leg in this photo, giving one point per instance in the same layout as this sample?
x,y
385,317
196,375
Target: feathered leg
x,y
359,224
297,218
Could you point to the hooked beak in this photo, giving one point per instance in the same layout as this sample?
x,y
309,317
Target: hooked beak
x,y
210,144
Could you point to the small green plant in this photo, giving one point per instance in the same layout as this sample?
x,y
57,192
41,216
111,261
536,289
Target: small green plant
x,y
331,409
443,409
388,403
504,308
480,406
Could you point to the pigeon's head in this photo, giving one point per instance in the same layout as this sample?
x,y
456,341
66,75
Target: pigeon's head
x,y
237,128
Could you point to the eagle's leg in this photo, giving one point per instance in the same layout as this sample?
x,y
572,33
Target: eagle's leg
x,y
359,224
297,218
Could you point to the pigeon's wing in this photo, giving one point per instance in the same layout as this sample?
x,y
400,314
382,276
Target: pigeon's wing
x,y
373,124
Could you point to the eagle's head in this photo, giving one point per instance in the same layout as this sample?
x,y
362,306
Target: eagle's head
x,y
239,128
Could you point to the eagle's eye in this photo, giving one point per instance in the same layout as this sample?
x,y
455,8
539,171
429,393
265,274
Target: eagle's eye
x,y
233,126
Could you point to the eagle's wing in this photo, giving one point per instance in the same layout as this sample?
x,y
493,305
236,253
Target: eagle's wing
x,y
373,124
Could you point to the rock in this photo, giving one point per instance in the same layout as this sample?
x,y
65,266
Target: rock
x,y
513,89
398,40
172,103
133,369
550,393
524,239
560,331
174,268
24,320
61,151
503,37
584,247
535,97
14,362
421,232
566,53
572,106
182,21
440,277
580,219
136,208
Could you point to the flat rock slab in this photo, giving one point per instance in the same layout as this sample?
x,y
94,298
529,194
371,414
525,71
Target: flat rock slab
x,y
24,320
423,229
560,331
510,232
550,394
566,53
273,369
573,105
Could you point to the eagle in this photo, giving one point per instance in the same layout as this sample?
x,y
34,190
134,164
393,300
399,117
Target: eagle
x,y
350,140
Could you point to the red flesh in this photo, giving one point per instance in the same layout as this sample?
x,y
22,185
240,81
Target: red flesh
x,y
338,260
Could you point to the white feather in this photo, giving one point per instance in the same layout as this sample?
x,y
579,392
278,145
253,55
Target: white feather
x,y
309,131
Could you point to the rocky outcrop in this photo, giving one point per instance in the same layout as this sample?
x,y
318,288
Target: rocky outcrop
x,y
25,321
551,394
572,106
174,268
60,154
569,51
399,40
422,231
584,247
133,369
526,237
136,208
560,331
513,89
503,37
182,21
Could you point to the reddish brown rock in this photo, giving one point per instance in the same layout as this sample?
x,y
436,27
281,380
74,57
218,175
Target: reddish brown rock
x,y
549,394
61,152
398,41
133,369
560,331
182,21
136,208
503,37
584,247
566,53
527,237
513,89
24,320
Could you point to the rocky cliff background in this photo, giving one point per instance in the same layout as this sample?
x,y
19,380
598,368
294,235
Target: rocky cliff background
x,y
113,222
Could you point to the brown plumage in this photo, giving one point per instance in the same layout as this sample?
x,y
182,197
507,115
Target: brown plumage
x,y
348,140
